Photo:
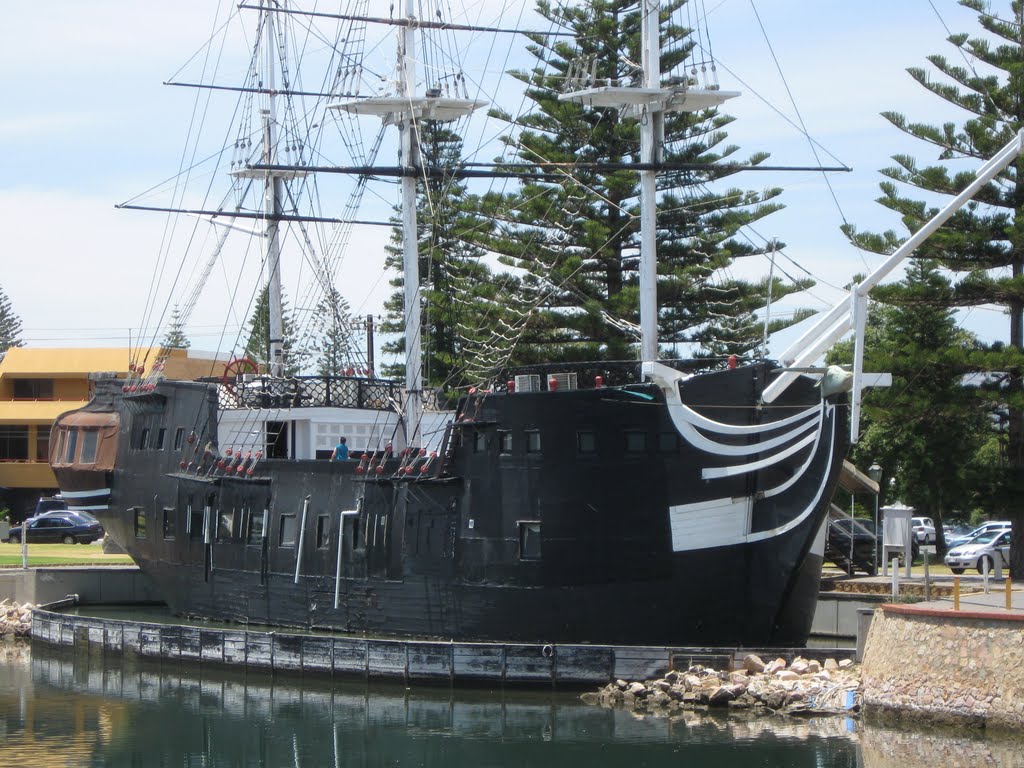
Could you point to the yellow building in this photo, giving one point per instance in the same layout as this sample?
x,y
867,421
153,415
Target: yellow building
x,y
39,384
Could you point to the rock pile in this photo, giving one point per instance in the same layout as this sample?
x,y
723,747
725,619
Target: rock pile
x,y
803,687
15,619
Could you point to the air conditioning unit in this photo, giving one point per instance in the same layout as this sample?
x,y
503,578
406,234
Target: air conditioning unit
x,y
564,380
528,383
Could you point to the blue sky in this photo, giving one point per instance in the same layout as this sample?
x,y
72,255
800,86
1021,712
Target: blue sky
x,y
87,124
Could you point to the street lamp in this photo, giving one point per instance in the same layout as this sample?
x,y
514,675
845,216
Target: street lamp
x,y
875,473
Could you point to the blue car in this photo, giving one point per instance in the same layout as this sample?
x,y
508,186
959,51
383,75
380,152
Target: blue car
x,y
59,527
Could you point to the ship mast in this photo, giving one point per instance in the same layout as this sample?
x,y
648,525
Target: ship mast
x,y
410,241
273,192
407,110
273,177
648,104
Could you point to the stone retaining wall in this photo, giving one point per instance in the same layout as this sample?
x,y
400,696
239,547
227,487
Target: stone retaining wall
x,y
943,666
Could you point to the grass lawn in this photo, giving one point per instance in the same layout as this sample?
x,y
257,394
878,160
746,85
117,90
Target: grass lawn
x,y
59,554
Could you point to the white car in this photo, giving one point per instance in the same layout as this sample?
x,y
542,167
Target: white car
x,y
987,550
995,525
923,529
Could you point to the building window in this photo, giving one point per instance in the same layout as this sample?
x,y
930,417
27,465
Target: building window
x,y
144,439
140,523
323,531
33,389
532,441
505,440
529,540
161,435
668,442
13,443
257,526
42,444
586,443
636,442
289,531
168,522
90,437
225,524
479,441
179,437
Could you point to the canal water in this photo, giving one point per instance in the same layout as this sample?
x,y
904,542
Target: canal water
x,y
68,708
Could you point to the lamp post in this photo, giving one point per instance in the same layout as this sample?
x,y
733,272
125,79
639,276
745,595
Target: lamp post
x,y
875,473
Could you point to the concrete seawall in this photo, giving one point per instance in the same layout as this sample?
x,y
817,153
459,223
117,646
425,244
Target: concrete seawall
x,y
94,585
946,666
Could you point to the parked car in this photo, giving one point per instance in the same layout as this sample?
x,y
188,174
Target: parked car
x,y
923,529
994,525
987,550
49,504
52,527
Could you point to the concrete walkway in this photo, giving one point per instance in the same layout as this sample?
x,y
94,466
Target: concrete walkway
x,y
972,595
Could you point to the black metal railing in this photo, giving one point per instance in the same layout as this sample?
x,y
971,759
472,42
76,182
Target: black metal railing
x,y
250,391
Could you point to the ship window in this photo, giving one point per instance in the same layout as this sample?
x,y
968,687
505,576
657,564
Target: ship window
x,y
636,442
89,439
479,441
72,444
586,443
59,451
505,440
225,524
532,441
289,529
140,523
168,522
323,531
257,523
529,540
179,436
351,524
144,439
161,435
195,517
668,442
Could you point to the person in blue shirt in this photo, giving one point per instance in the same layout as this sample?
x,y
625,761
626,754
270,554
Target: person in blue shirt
x,y
340,451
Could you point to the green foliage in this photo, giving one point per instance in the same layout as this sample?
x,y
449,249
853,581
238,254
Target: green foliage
x,y
574,238
334,347
983,243
466,310
10,325
927,429
257,346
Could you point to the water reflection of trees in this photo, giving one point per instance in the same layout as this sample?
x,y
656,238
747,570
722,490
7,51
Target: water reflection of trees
x,y
83,710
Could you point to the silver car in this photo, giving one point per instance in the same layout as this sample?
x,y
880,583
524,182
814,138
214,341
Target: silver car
x,y
982,552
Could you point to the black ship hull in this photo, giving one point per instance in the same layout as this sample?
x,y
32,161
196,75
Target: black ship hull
x,y
675,512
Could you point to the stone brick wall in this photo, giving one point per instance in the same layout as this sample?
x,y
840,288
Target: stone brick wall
x,y
944,666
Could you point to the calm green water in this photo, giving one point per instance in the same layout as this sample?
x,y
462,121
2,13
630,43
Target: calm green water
x,y
67,709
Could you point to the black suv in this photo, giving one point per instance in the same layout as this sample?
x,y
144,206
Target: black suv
x,y
60,526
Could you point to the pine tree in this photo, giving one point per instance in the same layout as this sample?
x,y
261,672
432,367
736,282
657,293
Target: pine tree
x,y
257,346
927,427
175,337
462,303
577,238
335,347
10,325
983,244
